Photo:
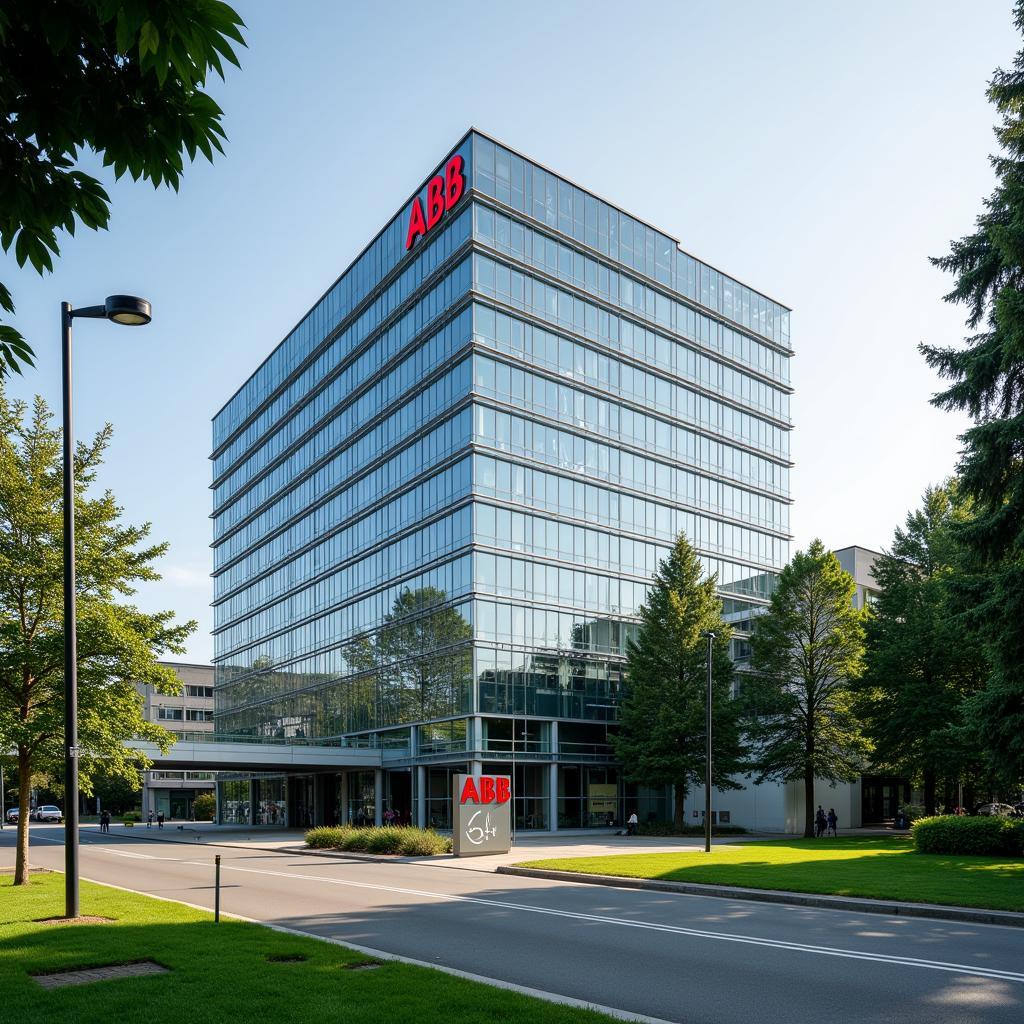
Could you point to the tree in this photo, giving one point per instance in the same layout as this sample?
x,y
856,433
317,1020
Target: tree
x,y
920,670
122,78
204,807
419,658
117,643
988,383
662,733
806,650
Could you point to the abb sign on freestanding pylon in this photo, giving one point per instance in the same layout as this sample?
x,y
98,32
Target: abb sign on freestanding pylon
x,y
481,814
443,192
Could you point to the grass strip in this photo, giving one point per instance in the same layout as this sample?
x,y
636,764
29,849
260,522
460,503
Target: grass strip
x,y
221,973
877,867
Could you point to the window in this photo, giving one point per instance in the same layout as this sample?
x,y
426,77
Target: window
x,y
169,714
198,715
199,691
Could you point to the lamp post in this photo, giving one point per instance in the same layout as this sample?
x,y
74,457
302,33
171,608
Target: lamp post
x,y
131,311
707,766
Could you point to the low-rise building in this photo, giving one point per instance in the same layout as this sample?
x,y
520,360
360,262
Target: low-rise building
x,y
185,714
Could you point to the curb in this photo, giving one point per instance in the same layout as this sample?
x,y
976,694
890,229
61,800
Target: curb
x,y
1006,918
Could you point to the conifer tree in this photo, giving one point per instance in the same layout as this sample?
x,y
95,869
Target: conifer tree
x,y
920,669
807,649
987,377
662,736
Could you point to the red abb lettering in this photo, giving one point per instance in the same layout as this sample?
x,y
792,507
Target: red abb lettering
x,y
416,225
435,200
469,792
454,181
502,793
442,194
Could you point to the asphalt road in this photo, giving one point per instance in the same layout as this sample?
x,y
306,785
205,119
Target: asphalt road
x,y
692,959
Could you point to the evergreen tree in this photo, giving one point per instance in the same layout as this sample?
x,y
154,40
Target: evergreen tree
x,y
662,734
117,643
988,383
806,651
919,667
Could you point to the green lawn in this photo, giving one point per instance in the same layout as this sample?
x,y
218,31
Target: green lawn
x,y
881,867
220,972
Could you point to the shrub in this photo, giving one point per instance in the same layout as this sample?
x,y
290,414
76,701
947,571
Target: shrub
x,y
204,807
325,837
408,841
953,834
131,817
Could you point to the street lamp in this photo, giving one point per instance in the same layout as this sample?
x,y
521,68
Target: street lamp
x,y
710,634
131,311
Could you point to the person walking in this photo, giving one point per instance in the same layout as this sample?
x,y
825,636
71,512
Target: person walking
x,y
160,820
820,822
149,820
632,824
833,822
105,821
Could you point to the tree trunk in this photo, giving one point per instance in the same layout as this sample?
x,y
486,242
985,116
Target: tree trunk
x,y
24,798
679,819
808,802
929,791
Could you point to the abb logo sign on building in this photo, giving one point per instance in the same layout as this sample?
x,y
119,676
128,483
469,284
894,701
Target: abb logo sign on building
x,y
481,814
443,192
486,790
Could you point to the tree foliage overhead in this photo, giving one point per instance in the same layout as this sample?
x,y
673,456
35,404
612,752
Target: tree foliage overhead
x,y
662,736
987,377
920,666
123,78
806,651
117,643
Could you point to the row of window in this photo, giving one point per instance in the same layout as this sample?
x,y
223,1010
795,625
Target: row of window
x,y
327,440
234,645
268,610
422,653
568,451
576,408
428,496
515,239
304,502
550,200
494,279
293,412
527,485
184,714
198,691
348,415
547,538
361,277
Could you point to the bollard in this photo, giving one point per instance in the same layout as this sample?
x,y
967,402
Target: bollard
x,y
216,892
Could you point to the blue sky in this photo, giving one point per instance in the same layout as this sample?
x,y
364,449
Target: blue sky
x,y
819,152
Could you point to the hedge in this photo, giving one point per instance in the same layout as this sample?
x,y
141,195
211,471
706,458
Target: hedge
x,y
404,840
957,834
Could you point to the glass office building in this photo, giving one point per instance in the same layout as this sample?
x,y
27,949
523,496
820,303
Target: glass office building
x,y
440,500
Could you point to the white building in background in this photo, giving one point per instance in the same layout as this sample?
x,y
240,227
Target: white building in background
x,y
779,807
185,714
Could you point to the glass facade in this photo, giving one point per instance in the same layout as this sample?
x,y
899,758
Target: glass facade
x,y
439,502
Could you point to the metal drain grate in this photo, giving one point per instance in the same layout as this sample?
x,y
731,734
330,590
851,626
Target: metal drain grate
x,y
87,975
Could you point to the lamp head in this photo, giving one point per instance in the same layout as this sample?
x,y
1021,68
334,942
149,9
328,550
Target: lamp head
x,y
128,309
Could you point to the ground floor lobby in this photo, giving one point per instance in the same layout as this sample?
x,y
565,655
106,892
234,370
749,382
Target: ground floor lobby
x,y
547,796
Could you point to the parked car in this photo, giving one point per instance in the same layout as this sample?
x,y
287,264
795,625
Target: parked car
x,y
12,816
995,810
49,813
